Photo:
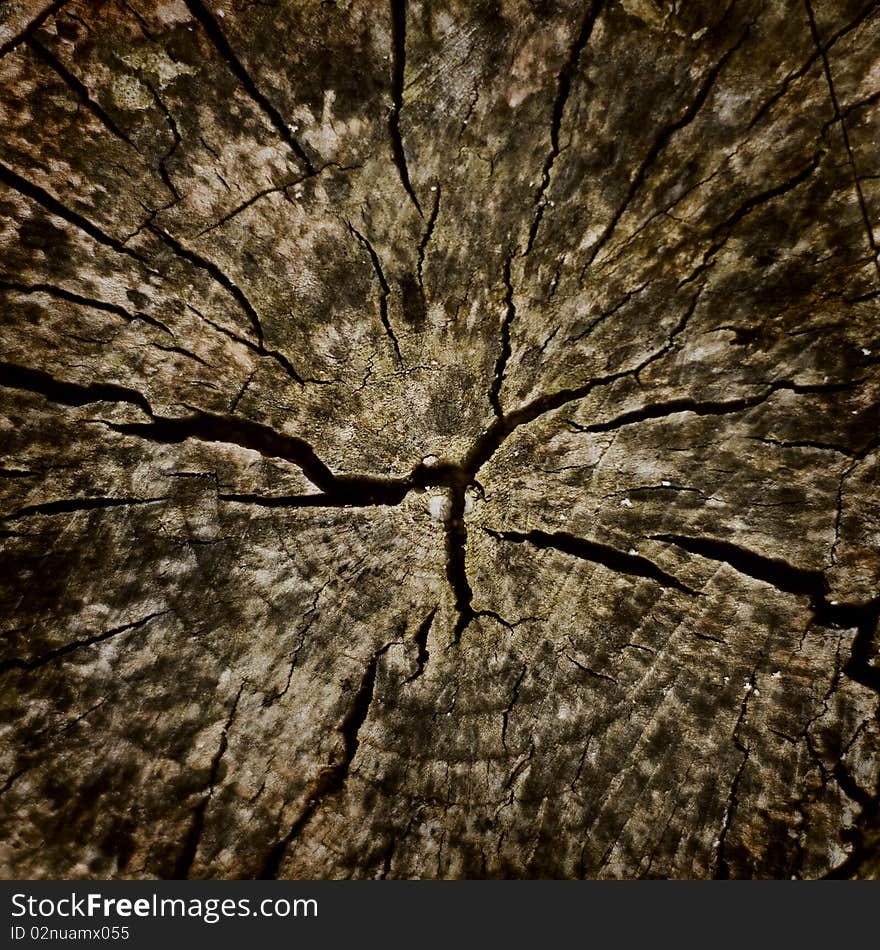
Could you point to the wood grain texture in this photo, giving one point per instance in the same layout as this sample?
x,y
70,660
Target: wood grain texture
x,y
440,439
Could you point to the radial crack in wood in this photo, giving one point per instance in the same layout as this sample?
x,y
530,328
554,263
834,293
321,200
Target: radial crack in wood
x,y
440,439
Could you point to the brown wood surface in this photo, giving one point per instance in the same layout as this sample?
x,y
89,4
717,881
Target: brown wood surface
x,y
439,439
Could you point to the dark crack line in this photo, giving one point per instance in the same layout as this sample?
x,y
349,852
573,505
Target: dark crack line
x,y
67,394
426,237
514,698
543,347
315,500
332,777
851,788
240,394
456,562
779,574
256,348
862,103
605,314
563,91
61,294
79,89
725,228
803,582
385,289
510,624
755,201
202,263
660,143
398,70
142,23
722,868
54,206
863,849
275,189
32,27
391,849
27,665
190,848
246,204
674,334
421,641
364,490
615,560
665,487
355,490
311,617
501,428
857,454
782,91
582,762
69,505
223,47
175,141
806,736
517,770
838,509
596,674
666,211
792,77
863,207
341,490
13,778
505,348
707,408
181,351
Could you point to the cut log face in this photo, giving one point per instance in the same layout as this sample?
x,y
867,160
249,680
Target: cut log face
x,y
440,439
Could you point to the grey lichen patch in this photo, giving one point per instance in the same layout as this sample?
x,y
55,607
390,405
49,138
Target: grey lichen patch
x,y
654,14
130,93
158,63
439,440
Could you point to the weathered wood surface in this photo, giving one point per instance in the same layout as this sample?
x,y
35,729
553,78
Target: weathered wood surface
x,y
440,439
